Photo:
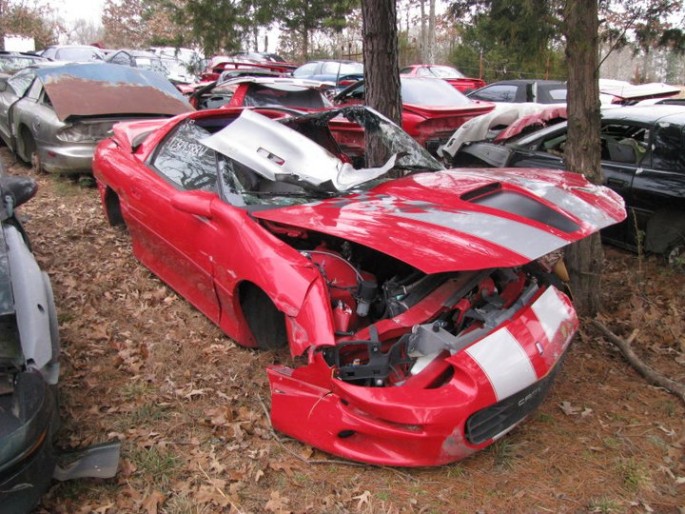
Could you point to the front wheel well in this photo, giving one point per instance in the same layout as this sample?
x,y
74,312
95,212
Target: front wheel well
x,y
263,318
113,209
26,144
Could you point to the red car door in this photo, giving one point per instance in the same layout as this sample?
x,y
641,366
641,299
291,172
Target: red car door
x,y
169,240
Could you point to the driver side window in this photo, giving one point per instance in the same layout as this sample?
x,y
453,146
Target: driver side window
x,y
185,162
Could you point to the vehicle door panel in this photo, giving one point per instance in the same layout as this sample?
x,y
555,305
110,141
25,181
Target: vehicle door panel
x,y
170,241
7,99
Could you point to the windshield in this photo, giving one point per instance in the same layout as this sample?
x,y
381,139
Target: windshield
x,y
305,158
78,53
151,63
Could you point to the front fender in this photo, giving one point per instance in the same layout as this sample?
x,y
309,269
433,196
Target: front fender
x,y
313,325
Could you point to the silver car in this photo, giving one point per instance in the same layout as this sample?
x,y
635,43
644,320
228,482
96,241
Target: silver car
x,y
54,116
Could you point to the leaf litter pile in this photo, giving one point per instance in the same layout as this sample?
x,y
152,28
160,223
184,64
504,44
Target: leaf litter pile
x,y
142,366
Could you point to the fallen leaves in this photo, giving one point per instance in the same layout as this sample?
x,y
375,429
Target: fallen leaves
x,y
143,366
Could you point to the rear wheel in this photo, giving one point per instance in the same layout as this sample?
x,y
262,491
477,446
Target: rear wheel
x,y
266,322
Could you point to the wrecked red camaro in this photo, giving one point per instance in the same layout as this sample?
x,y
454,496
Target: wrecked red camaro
x,y
423,307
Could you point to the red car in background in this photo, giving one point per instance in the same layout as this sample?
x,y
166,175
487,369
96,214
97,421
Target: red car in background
x,y
262,91
447,73
431,109
218,64
425,306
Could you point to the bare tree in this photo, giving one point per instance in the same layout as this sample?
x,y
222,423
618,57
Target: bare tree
x,y
582,152
381,69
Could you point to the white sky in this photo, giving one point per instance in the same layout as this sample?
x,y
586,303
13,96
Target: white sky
x,y
71,10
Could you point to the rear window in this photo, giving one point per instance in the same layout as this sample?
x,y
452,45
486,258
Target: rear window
x,y
335,68
261,96
431,92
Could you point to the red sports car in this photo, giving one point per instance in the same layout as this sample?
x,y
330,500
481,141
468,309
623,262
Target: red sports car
x,y
425,305
431,109
450,74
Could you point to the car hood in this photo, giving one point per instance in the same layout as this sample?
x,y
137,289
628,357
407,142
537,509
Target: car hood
x,y
87,90
463,219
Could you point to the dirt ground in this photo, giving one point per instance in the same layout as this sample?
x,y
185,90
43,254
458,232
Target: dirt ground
x,y
141,365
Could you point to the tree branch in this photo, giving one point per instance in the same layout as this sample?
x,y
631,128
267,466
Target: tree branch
x,y
651,375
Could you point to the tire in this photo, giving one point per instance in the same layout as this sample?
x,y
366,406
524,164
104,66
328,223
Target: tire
x,y
265,321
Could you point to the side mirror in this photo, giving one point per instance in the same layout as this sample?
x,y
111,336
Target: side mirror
x,y
193,203
20,190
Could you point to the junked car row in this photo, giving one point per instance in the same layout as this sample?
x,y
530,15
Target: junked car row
x,y
427,307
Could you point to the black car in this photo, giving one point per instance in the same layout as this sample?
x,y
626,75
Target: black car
x,y
29,368
643,159
523,90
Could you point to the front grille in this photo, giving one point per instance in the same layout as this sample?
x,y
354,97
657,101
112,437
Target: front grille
x,y
487,423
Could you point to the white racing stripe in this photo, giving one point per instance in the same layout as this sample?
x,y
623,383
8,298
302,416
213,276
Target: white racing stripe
x,y
505,363
551,312
525,240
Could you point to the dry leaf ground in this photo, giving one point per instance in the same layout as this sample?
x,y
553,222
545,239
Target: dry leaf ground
x,y
141,365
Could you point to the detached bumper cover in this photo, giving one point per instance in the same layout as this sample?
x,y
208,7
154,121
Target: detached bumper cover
x,y
457,404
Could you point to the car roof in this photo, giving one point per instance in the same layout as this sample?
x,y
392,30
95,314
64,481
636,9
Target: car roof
x,y
136,53
648,114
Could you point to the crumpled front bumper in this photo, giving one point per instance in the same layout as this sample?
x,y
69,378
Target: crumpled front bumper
x,y
457,404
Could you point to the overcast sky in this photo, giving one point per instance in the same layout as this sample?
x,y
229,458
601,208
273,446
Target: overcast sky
x,y
71,10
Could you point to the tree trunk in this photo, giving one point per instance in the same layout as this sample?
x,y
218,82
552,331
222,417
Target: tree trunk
x,y
422,34
430,45
381,69
582,153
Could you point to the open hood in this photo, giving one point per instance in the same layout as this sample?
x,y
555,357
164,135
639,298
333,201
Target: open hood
x,y
463,220
101,89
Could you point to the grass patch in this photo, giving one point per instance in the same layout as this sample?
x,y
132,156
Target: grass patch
x,y
634,475
155,464
504,452
144,415
183,504
544,417
135,390
604,505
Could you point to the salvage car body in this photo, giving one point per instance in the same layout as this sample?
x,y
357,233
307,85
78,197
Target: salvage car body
x,y
449,74
263,91
11,62
54,115
431,109
29,371
29,365
424,321
643,160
